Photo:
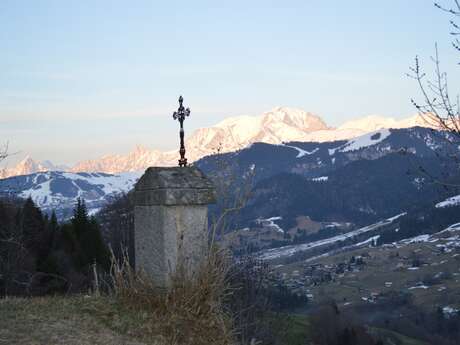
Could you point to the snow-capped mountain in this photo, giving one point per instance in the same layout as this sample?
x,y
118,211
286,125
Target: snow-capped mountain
x,y
232,134
59,191
315,160
273,127
138,160
357,127
282,124
370,123
29,166
312,161
375,122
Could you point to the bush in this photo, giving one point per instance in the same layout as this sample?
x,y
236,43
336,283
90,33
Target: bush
x,y
191,311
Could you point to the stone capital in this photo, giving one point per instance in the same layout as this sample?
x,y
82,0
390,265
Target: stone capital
x,y
174,186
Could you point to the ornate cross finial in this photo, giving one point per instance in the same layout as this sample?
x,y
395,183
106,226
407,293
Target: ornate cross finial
x,y
180,115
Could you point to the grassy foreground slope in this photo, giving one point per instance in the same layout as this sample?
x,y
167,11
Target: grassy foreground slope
x,y
88,320
81,320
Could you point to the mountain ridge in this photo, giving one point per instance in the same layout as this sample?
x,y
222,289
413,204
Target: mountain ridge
x,y
281,124
318,162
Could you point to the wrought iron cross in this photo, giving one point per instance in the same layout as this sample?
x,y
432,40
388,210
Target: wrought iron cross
x,y
180,115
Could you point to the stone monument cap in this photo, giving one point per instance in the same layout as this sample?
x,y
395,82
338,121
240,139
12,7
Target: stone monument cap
x,y
174,186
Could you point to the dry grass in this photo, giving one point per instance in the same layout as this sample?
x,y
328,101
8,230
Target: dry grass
x,y
70,320
190,312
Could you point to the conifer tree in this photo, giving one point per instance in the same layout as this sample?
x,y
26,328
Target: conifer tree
x,y
80,218
32,226
53,220
31,223
53,227
51,236
90,246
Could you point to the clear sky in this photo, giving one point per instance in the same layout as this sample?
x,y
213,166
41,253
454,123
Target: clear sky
x,y
82,78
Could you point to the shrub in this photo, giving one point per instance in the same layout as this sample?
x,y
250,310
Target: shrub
x,y
191,311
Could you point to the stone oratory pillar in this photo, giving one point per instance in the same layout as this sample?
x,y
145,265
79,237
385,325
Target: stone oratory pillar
x,y
171,221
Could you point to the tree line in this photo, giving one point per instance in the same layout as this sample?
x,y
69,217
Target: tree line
x,y
40,256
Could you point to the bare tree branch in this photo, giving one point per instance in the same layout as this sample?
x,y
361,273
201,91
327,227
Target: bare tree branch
x,y
437,108
454,11
4,152
233,194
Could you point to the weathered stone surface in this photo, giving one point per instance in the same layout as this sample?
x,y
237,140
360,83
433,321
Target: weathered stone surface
x,y
174,186
171,221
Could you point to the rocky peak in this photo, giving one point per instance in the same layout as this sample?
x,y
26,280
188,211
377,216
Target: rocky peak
x,y
281,124
293,117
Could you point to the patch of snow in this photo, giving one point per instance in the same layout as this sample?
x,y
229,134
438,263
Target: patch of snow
x,y
93,211
363,141
424,287
448,244
320,179
301,152
39,195
290,250
270,223
397,216
454,227
452,201
332,151
337,224
416,239
418,182
368,299
369,240
449,311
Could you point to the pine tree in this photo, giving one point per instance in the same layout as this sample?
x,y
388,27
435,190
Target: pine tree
x,y
31,223
80,218
90,246
49,264
95,247
53,222
53,228
32,226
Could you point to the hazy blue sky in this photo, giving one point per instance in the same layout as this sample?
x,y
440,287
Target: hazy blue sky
x,y
83,78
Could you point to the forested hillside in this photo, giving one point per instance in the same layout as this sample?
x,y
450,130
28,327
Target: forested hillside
x,y
40,256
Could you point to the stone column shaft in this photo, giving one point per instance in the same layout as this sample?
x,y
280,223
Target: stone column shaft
x,y
171,221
